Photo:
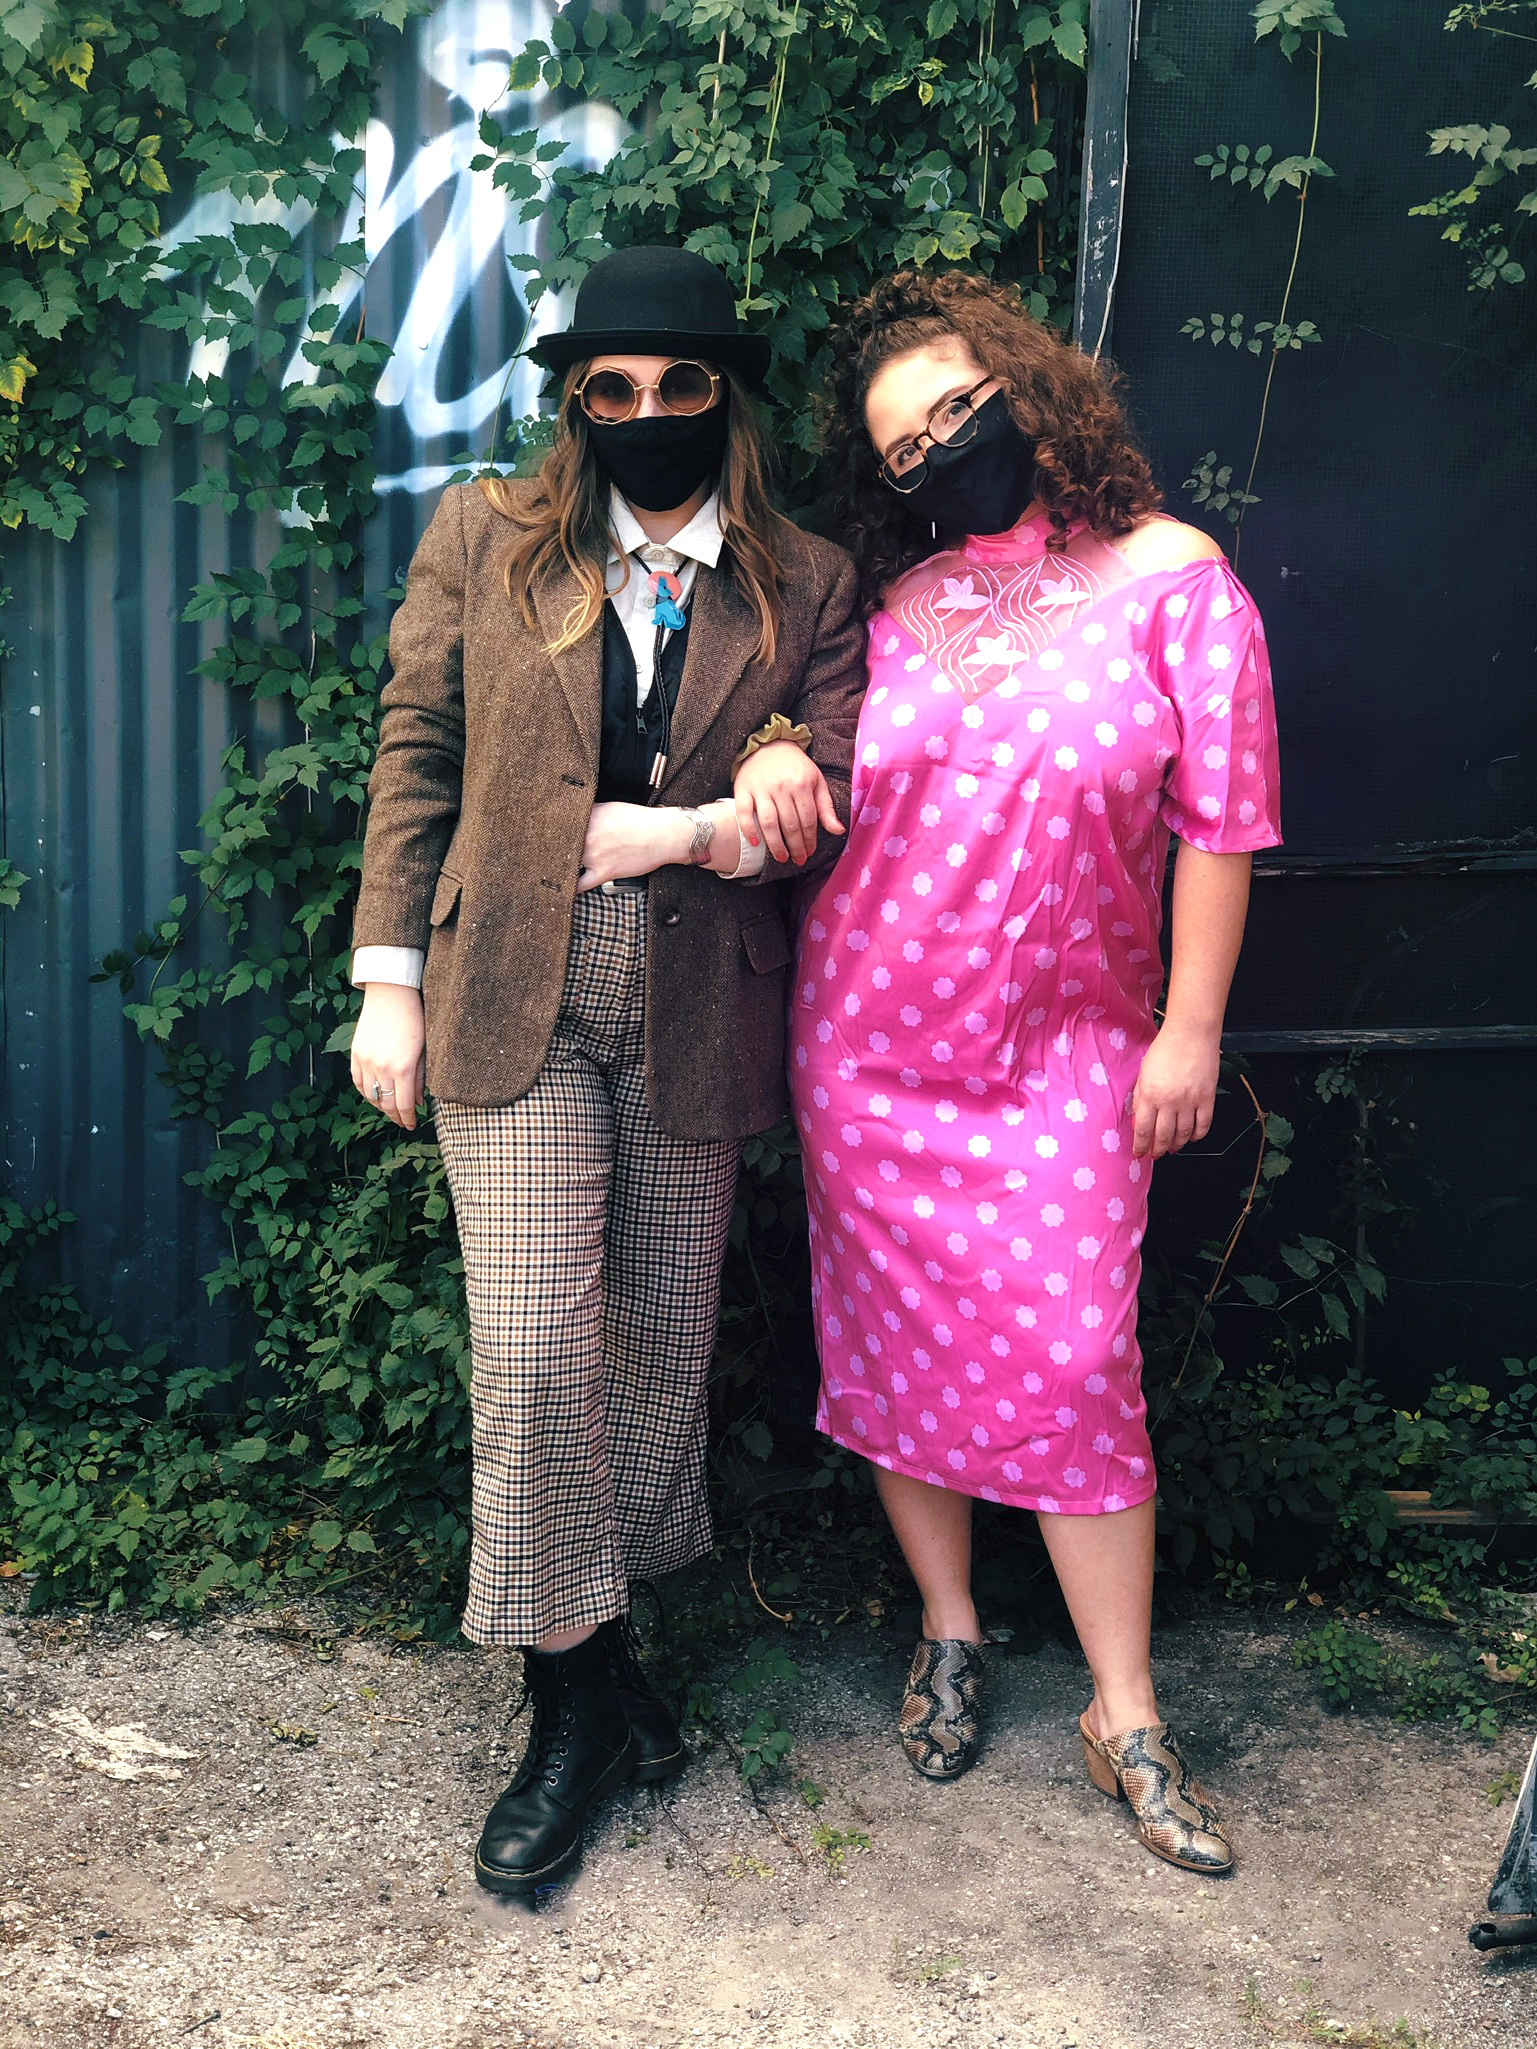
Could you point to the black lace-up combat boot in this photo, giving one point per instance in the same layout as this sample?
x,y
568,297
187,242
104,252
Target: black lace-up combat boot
x,y
659,1751
579,1751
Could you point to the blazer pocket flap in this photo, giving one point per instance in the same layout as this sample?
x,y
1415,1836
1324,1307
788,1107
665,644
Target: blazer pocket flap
x,y
445,899
767,943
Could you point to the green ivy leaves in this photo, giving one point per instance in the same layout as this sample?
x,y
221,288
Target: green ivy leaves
x,y
1229,327
1485,240
1294,20
804,151
91,107
1241,166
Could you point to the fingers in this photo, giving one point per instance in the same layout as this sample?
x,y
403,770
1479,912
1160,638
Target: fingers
x,y
773,831
397,1092
802,821
1161,1128
827,811
791,814
1144,1126
415,1092
746,817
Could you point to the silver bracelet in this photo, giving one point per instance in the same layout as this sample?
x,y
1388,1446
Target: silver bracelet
x,y
702,838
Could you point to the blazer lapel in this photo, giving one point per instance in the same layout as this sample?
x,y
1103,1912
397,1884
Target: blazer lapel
x,y
723,631
579,668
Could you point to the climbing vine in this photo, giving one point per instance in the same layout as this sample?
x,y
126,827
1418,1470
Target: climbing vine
x,y
336,1455
804,147
807,148
1474,217
1257,168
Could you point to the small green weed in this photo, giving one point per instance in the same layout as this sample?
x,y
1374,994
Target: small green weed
x,y
1309,2022
834,1844
765,1743
916,1969
1349,1663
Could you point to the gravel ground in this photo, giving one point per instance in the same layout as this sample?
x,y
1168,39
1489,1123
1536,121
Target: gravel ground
x,y
255,1834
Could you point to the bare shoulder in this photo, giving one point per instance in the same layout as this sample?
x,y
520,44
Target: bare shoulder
x,y
1162,543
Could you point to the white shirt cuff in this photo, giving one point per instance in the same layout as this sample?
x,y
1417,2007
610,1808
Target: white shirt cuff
x,y
750,859
400,964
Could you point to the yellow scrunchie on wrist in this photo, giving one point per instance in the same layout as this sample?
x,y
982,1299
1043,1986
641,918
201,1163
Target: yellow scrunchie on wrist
x,y
776,728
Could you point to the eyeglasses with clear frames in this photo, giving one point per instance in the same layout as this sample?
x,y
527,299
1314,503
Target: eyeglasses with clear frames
x,y
611,396
951,424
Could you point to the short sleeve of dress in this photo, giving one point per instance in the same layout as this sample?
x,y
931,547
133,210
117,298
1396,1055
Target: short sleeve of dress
x,y
1222,787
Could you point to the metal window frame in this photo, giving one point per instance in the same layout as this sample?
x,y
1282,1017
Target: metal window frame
x,y
1112,40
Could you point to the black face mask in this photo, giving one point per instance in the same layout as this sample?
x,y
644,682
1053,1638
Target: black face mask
x,y
984,486
661,462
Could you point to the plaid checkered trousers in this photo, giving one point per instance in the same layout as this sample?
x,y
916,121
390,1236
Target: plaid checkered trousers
x,y
592,1246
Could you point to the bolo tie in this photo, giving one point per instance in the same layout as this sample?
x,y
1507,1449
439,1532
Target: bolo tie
x,y
667,616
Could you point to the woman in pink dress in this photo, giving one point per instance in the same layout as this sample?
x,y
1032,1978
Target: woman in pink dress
x,y
1059,680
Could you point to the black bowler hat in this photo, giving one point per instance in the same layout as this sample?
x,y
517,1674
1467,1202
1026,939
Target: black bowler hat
x,y
655,301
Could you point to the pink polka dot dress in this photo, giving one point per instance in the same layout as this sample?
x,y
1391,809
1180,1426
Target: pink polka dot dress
x,y
975,994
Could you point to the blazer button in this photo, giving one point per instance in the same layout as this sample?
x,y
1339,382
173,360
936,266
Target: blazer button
x,y
672,917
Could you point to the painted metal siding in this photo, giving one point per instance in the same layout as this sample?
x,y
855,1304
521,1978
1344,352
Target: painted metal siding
x,y
111,745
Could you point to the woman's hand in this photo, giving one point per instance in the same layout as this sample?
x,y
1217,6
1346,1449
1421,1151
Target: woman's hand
x,y
631,839
780,790
1176,1089
388,1049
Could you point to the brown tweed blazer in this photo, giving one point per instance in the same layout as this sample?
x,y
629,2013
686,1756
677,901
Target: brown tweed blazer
x,y
478,807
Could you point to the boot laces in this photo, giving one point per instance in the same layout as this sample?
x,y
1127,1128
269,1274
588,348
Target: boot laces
x,y
549,1732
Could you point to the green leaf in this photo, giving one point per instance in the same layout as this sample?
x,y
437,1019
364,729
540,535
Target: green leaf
x,y
330,50
1259,1288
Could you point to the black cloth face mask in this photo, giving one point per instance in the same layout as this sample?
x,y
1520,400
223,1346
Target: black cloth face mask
x,y
984,486
660,462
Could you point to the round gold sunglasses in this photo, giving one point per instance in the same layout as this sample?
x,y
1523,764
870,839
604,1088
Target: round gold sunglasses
x,y
609,396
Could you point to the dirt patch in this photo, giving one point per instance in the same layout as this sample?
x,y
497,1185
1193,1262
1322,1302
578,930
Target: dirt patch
x,y
260,1833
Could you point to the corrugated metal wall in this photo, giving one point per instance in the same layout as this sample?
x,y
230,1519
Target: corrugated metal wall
x,y
110,745
111,752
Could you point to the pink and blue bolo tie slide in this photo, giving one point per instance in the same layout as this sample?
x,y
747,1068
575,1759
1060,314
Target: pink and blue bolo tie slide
x,y
665,609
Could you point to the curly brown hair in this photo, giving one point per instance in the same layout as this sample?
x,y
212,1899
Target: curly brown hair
x,y
1087,464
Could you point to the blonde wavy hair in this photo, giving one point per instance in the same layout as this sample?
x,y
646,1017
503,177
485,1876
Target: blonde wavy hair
x,y
563,519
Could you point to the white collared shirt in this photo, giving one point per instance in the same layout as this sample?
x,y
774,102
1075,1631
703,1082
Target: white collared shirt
x,y
631,559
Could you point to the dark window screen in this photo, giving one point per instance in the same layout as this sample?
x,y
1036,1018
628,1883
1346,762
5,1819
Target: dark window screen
x,y
1393,548
1393,552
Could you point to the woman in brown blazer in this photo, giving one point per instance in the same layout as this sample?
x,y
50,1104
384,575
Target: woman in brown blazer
x,y
554,935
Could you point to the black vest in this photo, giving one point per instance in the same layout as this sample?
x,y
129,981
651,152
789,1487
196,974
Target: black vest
x,y
633,734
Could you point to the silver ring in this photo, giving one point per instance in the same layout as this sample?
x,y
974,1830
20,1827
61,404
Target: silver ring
x,y
388,1092
376,1092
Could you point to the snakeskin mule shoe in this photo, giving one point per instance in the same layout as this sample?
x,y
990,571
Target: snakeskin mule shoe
x,y
940,1722
1175,1816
